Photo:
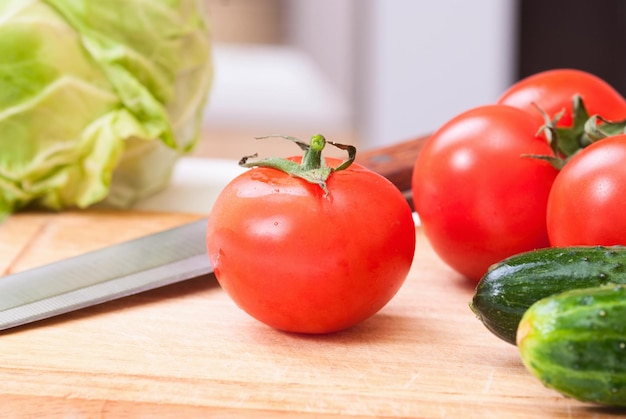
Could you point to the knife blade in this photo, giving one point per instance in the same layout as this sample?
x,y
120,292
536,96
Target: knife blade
x,y
147,262
106,274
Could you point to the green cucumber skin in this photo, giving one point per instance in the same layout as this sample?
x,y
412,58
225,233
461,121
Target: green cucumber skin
x,y
575,343
511,286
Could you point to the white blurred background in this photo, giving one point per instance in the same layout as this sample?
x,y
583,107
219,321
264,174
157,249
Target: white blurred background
x,y
367,72
376,72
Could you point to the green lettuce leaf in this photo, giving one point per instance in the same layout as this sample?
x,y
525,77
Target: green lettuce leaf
x,y
98,99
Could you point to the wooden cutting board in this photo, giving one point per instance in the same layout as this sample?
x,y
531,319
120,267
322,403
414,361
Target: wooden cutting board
x,y
187,351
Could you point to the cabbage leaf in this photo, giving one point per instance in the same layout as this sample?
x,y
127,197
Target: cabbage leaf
x,y
98,99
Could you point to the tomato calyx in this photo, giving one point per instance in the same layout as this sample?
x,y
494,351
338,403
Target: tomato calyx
x,y
313,167
565,142
597,128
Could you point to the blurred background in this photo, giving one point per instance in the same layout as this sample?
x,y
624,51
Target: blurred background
x,y
376,72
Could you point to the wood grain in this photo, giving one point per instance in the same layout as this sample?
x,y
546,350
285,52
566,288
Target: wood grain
x,y
187,351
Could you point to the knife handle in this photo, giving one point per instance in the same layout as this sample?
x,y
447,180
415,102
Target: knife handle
x,y
395,162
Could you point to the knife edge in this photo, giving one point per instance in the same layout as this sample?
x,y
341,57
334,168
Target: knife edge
x,y
102,292
102,275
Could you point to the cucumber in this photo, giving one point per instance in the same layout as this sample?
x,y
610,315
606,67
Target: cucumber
x,y
575,343
509,287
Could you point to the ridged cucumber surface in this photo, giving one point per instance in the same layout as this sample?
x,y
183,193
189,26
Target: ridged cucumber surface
x,y
575,343
511,286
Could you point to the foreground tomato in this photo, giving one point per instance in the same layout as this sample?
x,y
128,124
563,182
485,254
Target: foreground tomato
x,y
304,260
553,90
479,200
588,198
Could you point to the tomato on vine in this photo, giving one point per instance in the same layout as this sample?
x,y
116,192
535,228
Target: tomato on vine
x,y
482,181
588,198
310,244
551,92
478,197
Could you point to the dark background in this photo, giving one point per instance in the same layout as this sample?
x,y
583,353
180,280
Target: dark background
x,y
584,34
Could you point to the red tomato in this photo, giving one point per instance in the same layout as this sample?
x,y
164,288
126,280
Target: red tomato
x,y
478,199
300,261
553,90
588,198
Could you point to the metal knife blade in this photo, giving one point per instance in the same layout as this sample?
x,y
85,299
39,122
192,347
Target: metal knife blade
x,y
113,272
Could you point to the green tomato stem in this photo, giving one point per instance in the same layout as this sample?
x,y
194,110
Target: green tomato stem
x,y
313,155
313,168
565,142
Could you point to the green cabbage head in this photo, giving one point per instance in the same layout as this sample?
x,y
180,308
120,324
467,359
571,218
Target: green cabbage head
x,y
98,98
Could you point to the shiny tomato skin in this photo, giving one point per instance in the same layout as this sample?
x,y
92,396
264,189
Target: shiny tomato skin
x,y
588,199
478,199
553,90
303,262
